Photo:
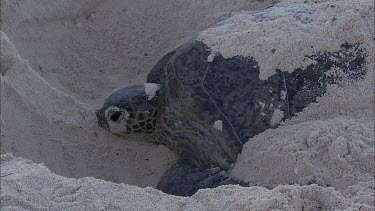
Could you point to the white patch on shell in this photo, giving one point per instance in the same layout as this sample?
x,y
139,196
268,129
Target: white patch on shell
x,y
277,117
218,125
151,89
210,57
118,127
214,52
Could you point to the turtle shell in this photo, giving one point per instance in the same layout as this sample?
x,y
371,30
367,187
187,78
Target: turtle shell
x,y
226,101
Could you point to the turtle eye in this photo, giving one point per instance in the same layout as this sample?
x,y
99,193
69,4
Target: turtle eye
x,y
115,116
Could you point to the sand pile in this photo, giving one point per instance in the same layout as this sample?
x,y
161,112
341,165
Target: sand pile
x,y
331,142
29,186
88,48
60,54
77,53
46,125
332,153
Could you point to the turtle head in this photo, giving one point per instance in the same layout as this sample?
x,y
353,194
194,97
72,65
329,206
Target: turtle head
x,y
129,110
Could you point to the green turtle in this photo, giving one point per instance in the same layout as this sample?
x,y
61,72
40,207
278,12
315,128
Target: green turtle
x,y
205,111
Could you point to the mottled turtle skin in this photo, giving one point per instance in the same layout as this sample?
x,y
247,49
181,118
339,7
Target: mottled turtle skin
x,y
195,94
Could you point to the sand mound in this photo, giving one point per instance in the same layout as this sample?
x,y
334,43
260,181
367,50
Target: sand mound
x,y
88,48
298,30
29,186
330,143
46,125
332,153
79,52
56,55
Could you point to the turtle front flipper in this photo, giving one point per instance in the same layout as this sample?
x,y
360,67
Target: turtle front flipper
x,y
185,179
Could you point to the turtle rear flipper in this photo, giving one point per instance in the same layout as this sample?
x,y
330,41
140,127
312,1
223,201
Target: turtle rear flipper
x,y
185,179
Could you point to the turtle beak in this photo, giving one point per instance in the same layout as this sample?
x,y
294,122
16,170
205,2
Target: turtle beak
x,y
102,122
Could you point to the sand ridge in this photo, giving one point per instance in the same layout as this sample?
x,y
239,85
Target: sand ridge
x,y
47,115
294,29
29,186
88,48
47,125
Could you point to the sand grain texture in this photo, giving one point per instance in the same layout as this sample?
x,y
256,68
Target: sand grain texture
x,y
60,59
88,48
46,125
29,186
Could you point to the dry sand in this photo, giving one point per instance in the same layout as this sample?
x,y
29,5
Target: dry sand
x,y
64,58
46,125
29,186
297,31
59,60
106,45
